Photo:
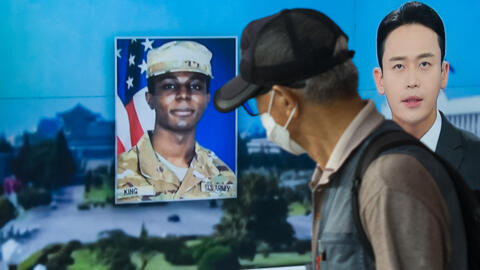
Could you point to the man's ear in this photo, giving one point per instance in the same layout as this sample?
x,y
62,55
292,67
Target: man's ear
x,y
445,72
286,97
378,77
149,98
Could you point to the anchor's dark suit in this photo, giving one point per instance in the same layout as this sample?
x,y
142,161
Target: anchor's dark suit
x,y
462,150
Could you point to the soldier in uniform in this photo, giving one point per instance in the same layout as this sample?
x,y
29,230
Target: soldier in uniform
x,y
168,163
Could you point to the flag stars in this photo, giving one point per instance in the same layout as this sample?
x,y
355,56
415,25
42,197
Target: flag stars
x,y
129,82
143,66
131,60
117,53
147,44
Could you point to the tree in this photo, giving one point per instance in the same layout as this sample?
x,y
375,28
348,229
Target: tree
x,y
219,258
63,160
243,156
5,147
41,162
29,197
62,259
88,181
21,165
48,164
115,248
258,214
7,211
143,231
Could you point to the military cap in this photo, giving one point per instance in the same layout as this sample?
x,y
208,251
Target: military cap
x,y
179,56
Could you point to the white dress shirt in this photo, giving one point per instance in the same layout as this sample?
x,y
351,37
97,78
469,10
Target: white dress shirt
x,y
430,138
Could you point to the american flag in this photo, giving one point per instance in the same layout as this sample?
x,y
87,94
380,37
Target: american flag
x,y
132,114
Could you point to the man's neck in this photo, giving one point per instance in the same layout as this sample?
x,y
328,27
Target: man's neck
x,y
420,128
325,125
178,148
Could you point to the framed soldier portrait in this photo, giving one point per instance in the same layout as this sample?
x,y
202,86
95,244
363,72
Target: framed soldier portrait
x,y
171,143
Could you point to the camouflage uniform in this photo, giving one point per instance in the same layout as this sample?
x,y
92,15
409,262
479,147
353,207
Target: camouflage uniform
x,y
141,176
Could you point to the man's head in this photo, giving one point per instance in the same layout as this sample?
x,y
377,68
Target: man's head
x,y
292,62
298,48
411,47
178,74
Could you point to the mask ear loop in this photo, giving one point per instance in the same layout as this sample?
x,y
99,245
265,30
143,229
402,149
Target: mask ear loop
x,y
291,116
271,102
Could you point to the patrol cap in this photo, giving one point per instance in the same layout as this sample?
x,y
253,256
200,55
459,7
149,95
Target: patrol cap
x,y
179,56
311,37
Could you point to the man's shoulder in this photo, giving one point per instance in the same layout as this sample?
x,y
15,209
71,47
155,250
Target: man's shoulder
x,y
128,171
458,146
449,130
398,166
396,170
462,149
214,166
130,183
128,159
471,146
400,173
470,139
209,155
133,152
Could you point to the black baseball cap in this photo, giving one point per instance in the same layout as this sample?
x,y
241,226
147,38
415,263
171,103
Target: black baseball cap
x,y
312,37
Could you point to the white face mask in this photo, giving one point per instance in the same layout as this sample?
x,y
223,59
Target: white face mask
x,y
278,134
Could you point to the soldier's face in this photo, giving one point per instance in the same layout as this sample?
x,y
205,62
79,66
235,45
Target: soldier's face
x,y
179,100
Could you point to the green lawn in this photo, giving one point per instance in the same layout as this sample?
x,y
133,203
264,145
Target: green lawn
x,y
277,259
296,209
157,261
192,243
30,261
98,194
85,259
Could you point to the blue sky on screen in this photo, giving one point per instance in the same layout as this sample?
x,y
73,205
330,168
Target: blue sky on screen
x,y
55,54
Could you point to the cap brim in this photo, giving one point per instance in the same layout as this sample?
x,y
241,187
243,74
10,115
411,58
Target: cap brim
x,y
234,94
